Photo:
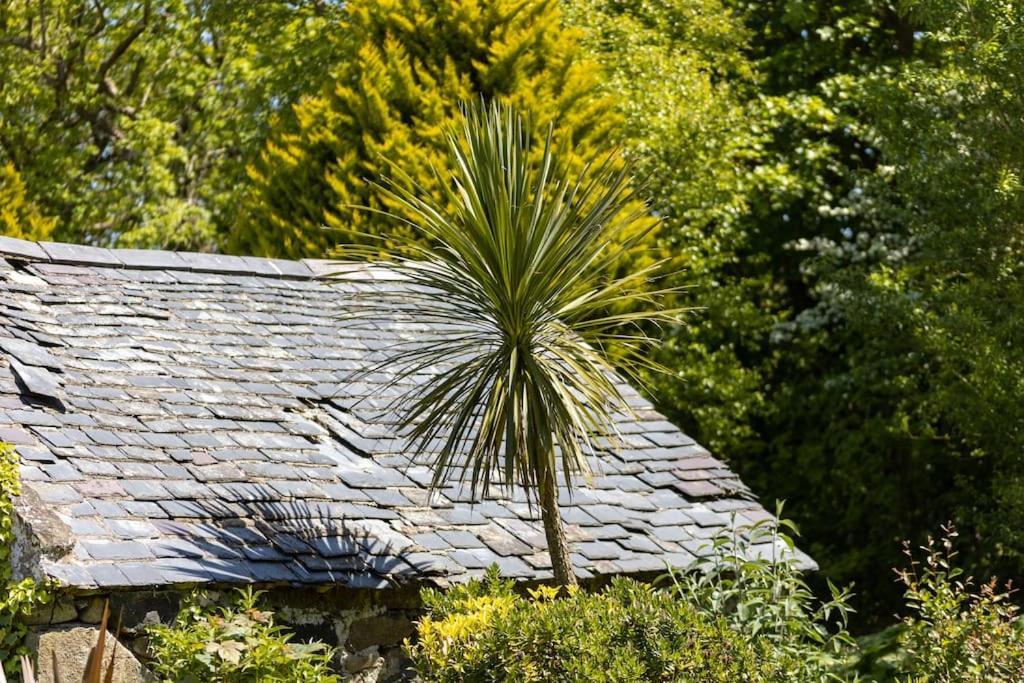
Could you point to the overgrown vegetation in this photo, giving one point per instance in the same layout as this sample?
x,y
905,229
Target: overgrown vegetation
x,y
749,617
751,576
234,643
626,632
17,598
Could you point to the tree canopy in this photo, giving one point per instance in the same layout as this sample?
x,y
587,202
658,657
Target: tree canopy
x,y
389,102
132,122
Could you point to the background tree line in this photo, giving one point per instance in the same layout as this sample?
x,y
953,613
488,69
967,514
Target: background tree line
x,y
839,183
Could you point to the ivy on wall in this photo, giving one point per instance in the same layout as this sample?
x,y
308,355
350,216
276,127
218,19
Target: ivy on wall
x,y
18,599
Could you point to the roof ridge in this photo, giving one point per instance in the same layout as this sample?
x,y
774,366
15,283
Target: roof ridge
x,y
158,259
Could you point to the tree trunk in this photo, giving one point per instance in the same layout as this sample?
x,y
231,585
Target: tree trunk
x,y
558,545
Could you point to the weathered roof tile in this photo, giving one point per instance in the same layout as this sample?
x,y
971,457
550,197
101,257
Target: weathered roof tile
x,y
196,418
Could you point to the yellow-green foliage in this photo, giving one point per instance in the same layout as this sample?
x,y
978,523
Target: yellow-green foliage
x,y
19,217
412,63
17,599
627,632
236,643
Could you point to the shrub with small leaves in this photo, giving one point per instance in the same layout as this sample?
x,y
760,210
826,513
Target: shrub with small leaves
x,y
485,631
957,631
234,644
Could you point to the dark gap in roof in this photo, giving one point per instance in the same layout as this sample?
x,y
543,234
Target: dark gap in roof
x,y
20,265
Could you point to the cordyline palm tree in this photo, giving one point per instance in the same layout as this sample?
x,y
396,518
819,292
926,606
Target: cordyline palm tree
x,y
518,267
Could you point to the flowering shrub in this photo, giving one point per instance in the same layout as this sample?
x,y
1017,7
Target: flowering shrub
x,y
234,644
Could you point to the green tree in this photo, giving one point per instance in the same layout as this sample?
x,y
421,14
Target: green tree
x,y
514,260
19,217
132,122
391,100
895,366
691,123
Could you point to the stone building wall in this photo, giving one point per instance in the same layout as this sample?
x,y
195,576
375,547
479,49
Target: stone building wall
x,y
366,627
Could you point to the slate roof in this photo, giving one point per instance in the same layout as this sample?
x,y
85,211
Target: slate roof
x,y
188,418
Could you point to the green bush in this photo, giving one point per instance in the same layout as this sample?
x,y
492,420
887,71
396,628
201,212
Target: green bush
x,y
234,644
628,631
957,631
751,578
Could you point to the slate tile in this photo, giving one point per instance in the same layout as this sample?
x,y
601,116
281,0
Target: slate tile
x,y
462,515
35,454
183,508
57,494
33,418
219,472
387,497
599,550
164,440
96,468
606,514
32,474
264,553
341,492
10,246
149,258
430,541
29,353
115,550
141,489
16,436
140,574
186,489
335,546
85,527
297,489
59,252
463,540
132,528
184,570
61,438
706,518
639,544
288,543
670,517
145,509
671,533
530,534
513,567
99,488
107,576
503,542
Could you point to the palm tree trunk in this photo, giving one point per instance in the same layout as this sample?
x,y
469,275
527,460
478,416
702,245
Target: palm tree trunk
x,y
558,545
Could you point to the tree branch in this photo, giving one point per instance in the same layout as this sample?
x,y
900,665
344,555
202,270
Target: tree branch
x,y
126,43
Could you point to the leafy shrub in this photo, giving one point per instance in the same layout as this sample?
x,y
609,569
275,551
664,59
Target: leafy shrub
x,y
17,599
957,632
629,631
234,644
751,578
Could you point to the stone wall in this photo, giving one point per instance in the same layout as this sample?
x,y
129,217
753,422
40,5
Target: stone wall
x,y
367,627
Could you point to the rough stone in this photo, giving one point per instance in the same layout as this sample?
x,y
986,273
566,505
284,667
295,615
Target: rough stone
x,y
384,630
57,612
63,653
